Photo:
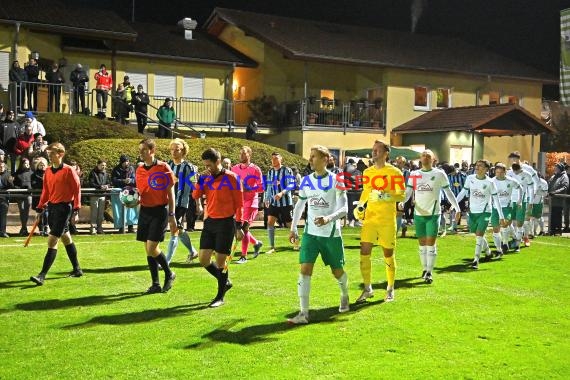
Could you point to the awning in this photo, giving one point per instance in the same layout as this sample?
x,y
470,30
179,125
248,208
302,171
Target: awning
x,y
491,120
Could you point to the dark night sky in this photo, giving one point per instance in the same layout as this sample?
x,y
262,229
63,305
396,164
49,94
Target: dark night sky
x,y
525,30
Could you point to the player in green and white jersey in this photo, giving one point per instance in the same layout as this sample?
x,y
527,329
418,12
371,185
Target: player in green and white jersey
x,y
522,214
327,204
506,186
426,185
481,189
538,203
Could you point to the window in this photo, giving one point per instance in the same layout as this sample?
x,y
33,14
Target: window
x,y
165,85
327,99
4,70
443,97
513,99
421,98
193,86
494,97
138,78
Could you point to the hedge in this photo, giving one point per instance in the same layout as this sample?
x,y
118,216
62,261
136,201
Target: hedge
x,y
86,153
70,129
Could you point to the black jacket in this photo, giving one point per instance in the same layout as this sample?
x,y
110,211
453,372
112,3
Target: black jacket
x,y
140,101
78,78
17,74
33,72
23,179
55,77
97,179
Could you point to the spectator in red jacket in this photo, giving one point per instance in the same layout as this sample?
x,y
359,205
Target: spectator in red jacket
x,y
102,88
23,143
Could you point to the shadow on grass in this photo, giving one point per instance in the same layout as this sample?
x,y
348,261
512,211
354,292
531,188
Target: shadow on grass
x,y
132,268
399,283
138,316
465,266
55,304
25,284
266,332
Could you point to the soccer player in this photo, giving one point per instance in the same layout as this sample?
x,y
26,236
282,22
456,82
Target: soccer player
x,y
186,179
224,203
277,197
383,188
481,189
536,214
155,182
515,158
327,205
249,175
61,199
426,185
505,187
522,213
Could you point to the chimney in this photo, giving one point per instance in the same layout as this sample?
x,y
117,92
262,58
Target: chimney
x,y
189,25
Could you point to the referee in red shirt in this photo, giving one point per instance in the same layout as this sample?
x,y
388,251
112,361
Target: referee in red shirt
x,y
155,183
224,204
61,200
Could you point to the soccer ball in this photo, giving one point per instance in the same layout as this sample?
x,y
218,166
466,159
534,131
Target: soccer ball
x,y
129,197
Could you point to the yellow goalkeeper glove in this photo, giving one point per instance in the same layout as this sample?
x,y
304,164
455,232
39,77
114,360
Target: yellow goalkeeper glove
x,y
359,212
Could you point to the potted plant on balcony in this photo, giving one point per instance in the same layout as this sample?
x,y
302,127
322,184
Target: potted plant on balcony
x,y
312,118
263,108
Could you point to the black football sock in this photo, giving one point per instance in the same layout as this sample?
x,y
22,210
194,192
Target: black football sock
x,y
161,259
213,270
153,268
222,279
48,260
72,255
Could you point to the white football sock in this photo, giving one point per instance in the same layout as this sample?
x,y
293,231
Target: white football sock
x,y
343,284
423,256
431,256
303,289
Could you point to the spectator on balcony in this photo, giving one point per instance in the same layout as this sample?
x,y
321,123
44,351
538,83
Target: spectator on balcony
x,y
23,180
33,73
55,80
100,180
123,175
129,89
37,126
38,147
5,184
9,133
140,101
122,107
17,76
102,88
79,78
40,165
166,116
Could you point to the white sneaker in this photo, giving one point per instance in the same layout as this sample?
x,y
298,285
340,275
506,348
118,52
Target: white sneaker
x,y
272,250
351,223
344,304
389,295
299,319
242,260
216,303
365,295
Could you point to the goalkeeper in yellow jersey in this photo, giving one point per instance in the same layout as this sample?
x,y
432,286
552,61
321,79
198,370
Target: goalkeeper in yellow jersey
x,y
383,187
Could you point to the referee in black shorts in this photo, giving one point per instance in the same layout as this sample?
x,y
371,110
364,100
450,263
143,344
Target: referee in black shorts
x,y
61,199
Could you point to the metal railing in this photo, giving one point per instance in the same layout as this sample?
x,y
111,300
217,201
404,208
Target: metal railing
x,y
41,97
204,111
333,113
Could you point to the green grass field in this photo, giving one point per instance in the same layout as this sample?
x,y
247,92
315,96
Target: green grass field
x,y
509,319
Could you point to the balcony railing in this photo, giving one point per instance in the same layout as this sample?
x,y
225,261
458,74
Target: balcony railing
x,y
309,112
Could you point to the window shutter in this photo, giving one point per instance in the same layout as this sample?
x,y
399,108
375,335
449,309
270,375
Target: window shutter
x,y
138,78
193,86
165,85
4,70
